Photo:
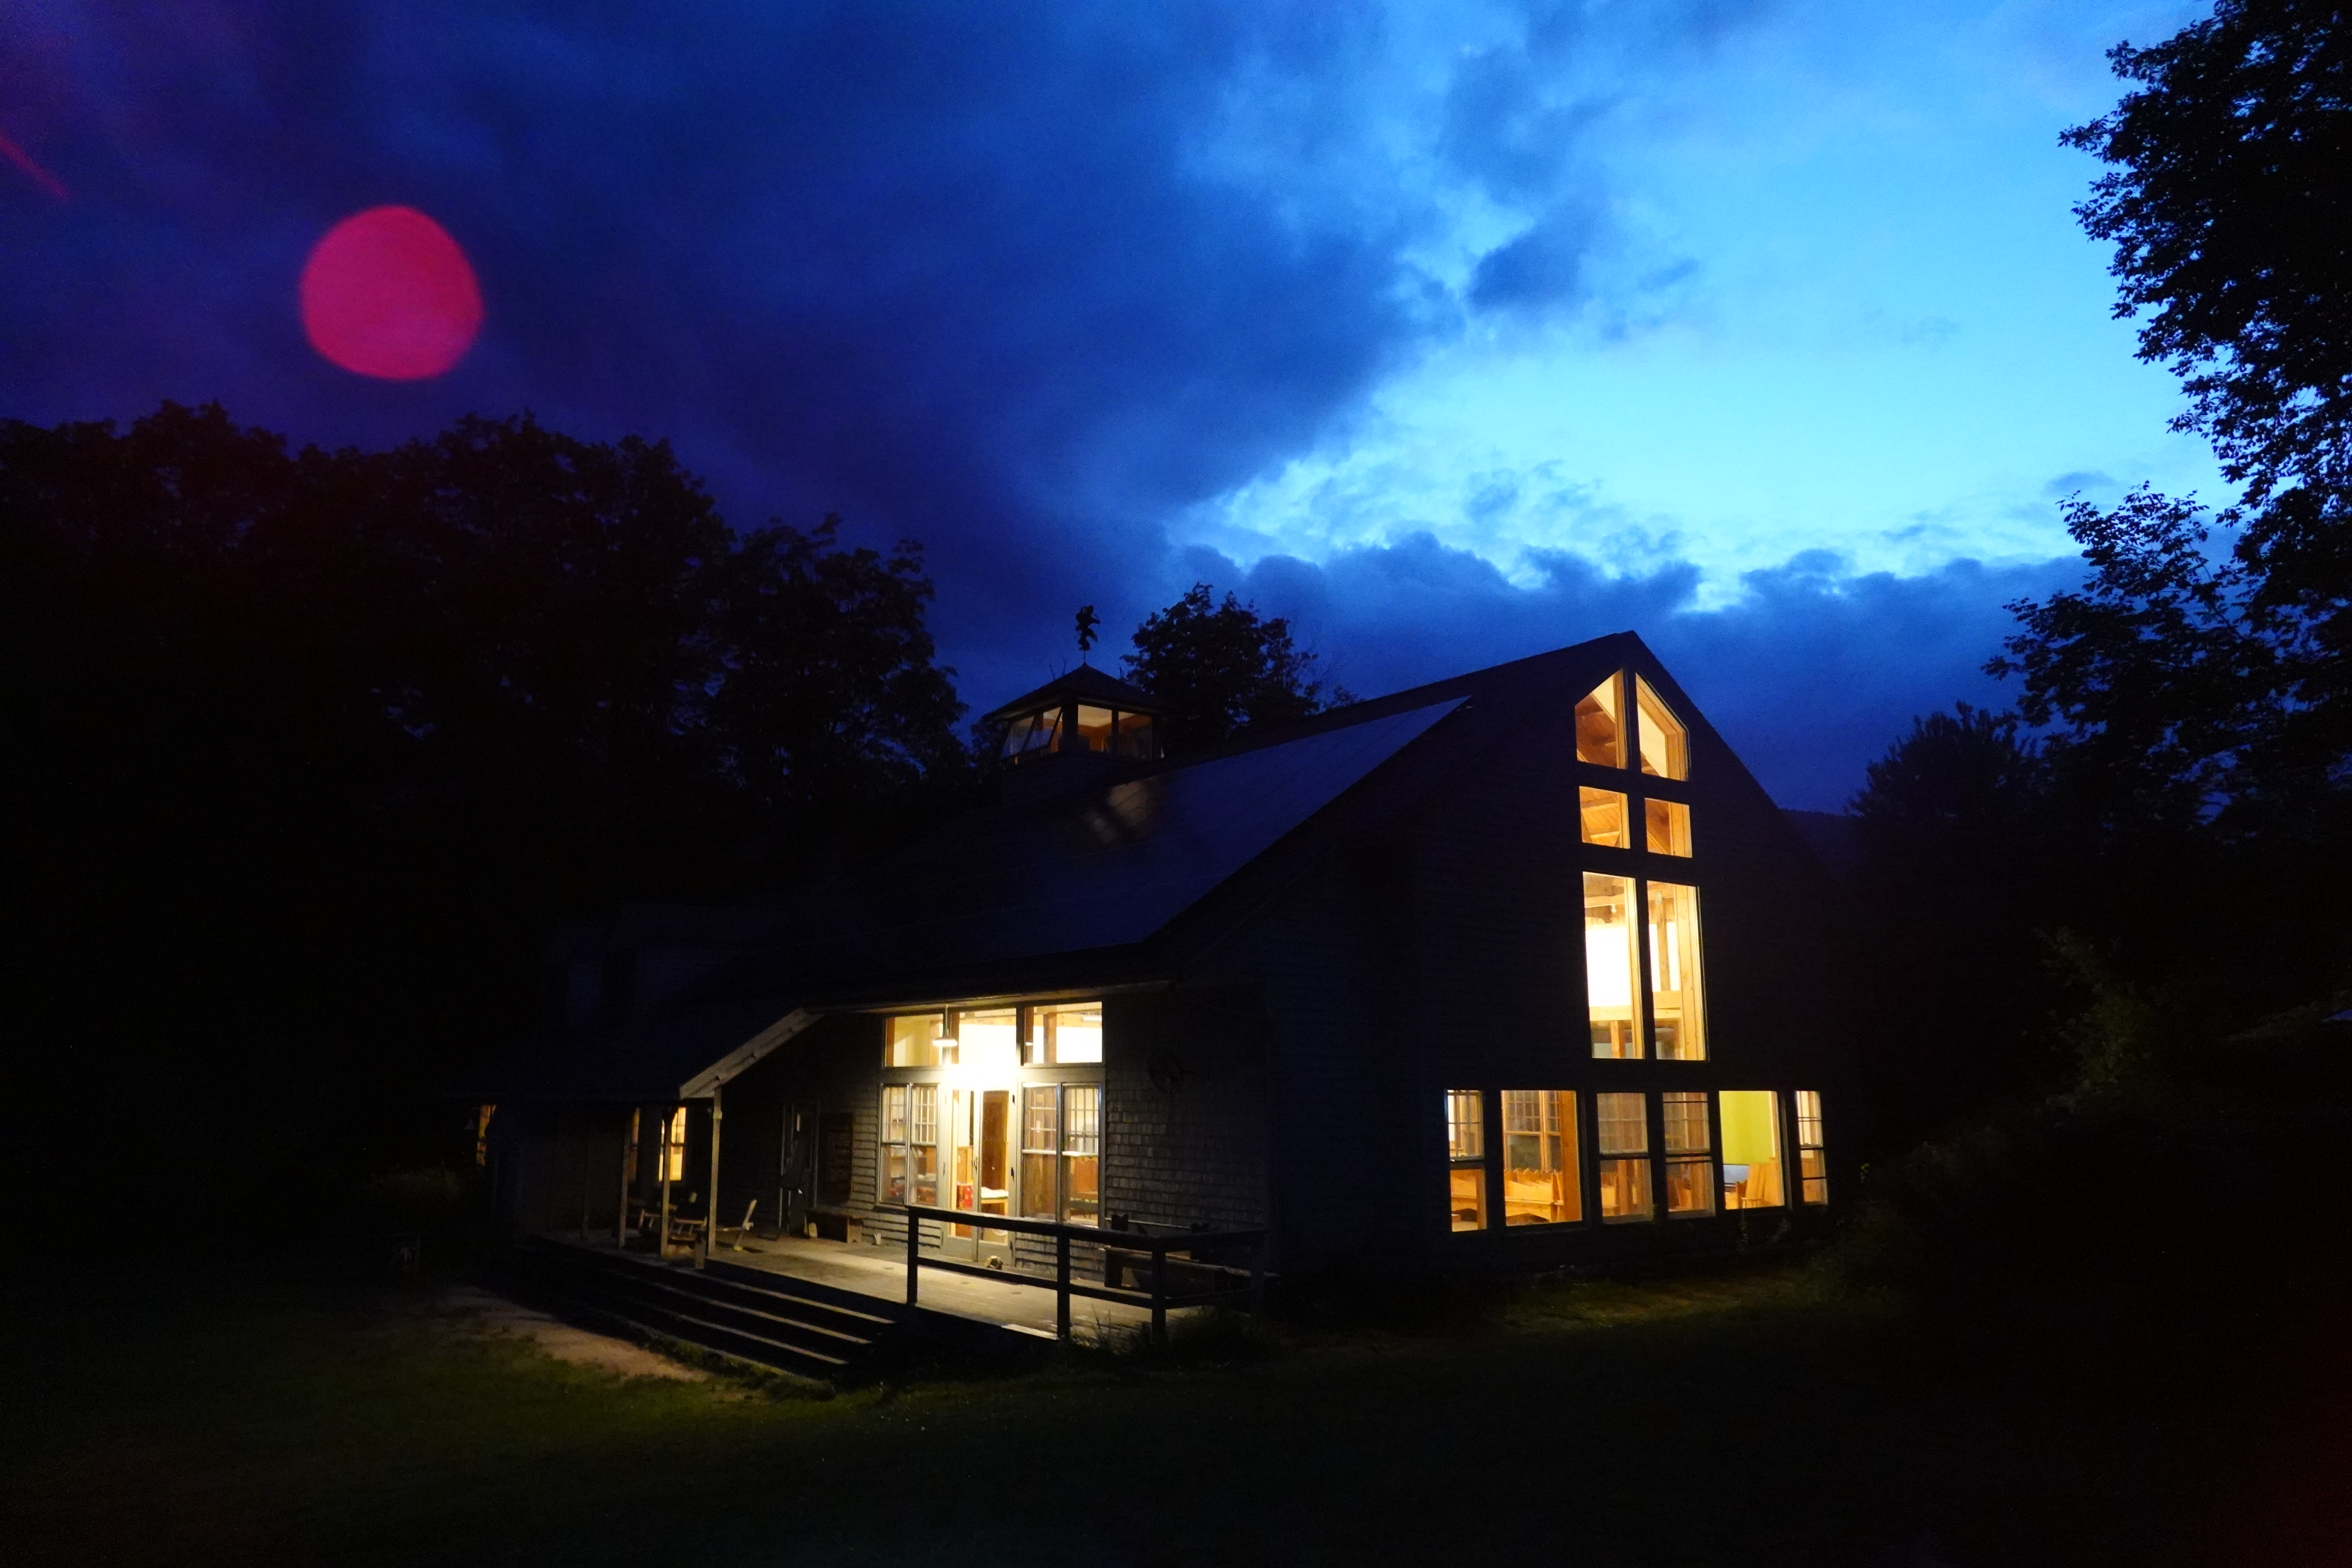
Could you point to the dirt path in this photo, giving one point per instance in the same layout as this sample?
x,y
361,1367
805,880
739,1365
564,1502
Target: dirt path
x,y
478,1310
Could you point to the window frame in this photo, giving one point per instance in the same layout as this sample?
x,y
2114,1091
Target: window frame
x,y
1706,1159
1813,1161
941,1074
1569,1134
1644,1159
1466,1156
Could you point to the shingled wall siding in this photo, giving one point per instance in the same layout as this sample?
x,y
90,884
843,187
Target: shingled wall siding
x,y
1447,952
1190,1148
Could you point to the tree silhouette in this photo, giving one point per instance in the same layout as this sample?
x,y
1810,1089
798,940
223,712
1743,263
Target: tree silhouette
x,y
317,743
2193,671
1221,668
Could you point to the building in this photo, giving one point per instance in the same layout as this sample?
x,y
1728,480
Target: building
x,y
1515,970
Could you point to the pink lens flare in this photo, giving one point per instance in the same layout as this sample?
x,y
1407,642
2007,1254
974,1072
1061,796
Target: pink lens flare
x,y
33,170
387,293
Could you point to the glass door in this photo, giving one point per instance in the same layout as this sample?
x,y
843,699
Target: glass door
x,y
978,1160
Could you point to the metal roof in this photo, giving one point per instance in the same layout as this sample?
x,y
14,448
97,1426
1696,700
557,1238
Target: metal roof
x,y
1088,872
1101,868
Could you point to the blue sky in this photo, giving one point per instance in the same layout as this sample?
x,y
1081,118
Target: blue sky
x,y
1456,331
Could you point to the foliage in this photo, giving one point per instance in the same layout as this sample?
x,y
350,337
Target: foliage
x,y
1221,668
2176,671
2228,211
2178,1180
1961,871
321,741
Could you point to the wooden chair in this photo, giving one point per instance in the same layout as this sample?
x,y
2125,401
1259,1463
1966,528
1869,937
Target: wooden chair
x,y
738,1231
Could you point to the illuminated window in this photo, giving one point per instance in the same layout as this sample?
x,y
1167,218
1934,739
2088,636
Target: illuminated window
x,y
1466,1157
1600,731
1082,1153
1041,1152
1690,1152
1539,1165
1665,749
1033,733
1621,1134
988,1040
1669,827
1677,1013
894,1142
1137,736
1062,1033
910,1144
673,1147
1751,1148
912,1042
1812,1157
482,1115
1609,978
1094,725
1603,814
923,1142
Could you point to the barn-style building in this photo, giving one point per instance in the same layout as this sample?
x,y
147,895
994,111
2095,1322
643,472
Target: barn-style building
x,y
1516,970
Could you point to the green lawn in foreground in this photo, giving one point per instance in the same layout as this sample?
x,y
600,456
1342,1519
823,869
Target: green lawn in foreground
x,y
1735,1420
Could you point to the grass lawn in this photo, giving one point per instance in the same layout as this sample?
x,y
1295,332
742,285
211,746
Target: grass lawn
x,y
1738,1419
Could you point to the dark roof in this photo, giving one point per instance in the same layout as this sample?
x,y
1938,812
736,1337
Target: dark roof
x,y
1085,890
1065,880
1106,867
1087,683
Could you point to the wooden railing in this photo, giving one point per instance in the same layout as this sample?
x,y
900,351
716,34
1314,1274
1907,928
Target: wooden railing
x,y
1155,1244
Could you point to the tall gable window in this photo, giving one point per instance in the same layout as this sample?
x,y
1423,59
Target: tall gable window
x,y
1666,825
1676,1016
1666,747
1600,814
1600,725
1611,979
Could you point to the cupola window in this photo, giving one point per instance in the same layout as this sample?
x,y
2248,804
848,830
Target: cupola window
x,y
1033,733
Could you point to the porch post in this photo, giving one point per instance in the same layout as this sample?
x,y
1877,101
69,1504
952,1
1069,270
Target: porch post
x,y
710,1209
1062,1284
621,1212
661,1236
1159,1297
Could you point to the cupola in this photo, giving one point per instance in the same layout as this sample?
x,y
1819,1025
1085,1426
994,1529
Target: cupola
x,y
1078,726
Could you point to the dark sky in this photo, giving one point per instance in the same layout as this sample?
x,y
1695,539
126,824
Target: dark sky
x,y
1449,331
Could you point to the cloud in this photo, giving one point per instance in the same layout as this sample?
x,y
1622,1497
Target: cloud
x,y
2061,486
1021,281
1811,673
1028,283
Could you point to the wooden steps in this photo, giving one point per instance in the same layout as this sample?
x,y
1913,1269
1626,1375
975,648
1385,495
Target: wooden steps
x,y
778,1327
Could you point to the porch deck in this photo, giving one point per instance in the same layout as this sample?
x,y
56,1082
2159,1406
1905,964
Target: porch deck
x,y
881,1273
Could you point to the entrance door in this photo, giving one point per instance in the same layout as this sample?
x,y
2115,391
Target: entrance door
x,y
796,1172
980,1173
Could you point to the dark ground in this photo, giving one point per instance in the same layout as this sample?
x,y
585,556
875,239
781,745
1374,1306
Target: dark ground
x,y
262,1416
